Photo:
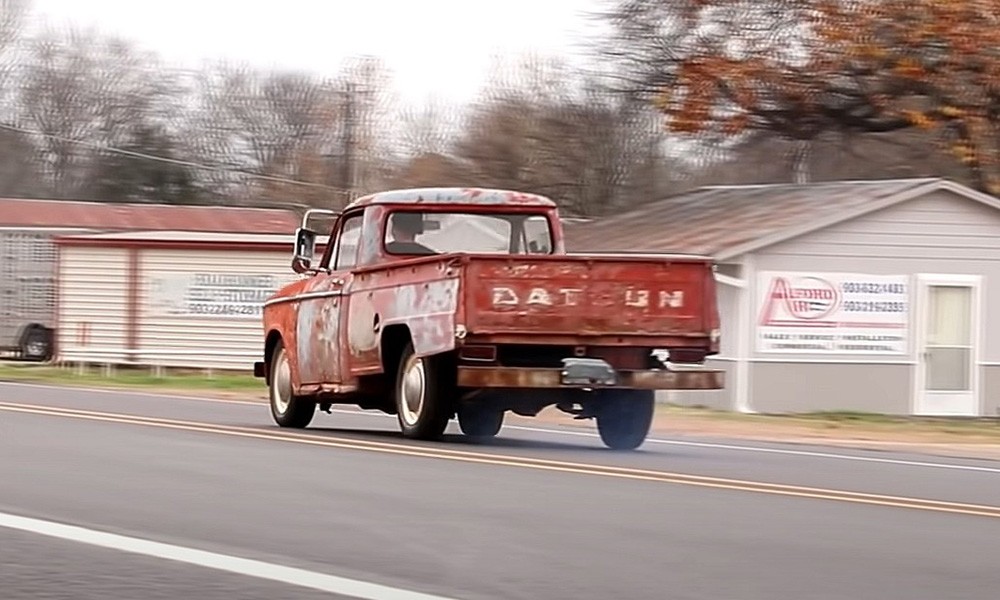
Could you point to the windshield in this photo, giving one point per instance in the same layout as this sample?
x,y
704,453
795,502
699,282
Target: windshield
x,y
422,233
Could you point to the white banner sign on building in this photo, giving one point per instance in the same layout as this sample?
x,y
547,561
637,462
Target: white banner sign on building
x,y
210,294
832,313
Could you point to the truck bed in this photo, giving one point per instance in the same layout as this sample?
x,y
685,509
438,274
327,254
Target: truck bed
x,y
523,304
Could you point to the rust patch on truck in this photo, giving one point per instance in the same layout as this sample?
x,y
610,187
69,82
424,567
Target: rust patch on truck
x,y
318,329
590,297
518,377
281,316
467,196
422,297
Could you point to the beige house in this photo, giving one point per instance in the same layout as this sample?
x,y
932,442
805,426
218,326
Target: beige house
x,y
28,255
166,298
875,296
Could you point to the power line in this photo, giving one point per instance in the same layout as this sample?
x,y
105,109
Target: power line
x,y
174,161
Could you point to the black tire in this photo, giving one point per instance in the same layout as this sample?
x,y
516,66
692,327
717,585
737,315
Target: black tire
x,y
624,417
423,400
36,343
287,409
477,421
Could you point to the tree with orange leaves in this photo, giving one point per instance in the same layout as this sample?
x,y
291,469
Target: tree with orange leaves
x,y
802,68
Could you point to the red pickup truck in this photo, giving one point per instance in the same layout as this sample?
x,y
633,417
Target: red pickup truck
x,y
436,303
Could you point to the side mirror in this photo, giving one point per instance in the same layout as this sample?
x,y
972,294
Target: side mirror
x,y
305,250
305,241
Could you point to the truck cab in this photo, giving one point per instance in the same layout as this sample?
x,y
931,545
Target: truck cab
x,y
462,302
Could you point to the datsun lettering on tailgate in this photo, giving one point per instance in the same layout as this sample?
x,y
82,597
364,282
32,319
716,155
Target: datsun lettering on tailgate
x,y
433,304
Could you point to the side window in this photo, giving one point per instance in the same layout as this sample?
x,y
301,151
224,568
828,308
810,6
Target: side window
x,y
347,245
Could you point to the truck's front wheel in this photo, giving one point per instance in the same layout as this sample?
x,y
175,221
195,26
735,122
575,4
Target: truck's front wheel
x,y
287,409
422,404
624,417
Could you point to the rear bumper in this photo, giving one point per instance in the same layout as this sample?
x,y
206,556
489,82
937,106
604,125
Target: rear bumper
x,y
542,378
260,369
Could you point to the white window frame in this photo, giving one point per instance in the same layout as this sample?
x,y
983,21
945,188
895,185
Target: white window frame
x,y
920,305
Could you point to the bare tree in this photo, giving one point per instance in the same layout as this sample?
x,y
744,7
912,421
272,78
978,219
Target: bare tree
x,y
262,123
83,91
12,13
427,129
292,126
546,129
832,156
18,175
17,172
366,145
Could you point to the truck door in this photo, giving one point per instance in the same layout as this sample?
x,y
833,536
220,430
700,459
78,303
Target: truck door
x,y
321,313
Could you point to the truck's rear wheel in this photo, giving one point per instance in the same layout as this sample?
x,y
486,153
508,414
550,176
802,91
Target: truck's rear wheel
x,y
479,421
423,405
287,409
624,417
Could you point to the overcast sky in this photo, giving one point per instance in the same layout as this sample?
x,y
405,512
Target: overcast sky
x,y
441,47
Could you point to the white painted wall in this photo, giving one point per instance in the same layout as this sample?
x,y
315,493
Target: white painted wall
x,y
93,307
92,304
941,233
203,340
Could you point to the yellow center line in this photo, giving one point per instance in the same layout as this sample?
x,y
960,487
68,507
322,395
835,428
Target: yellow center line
x,y
541,464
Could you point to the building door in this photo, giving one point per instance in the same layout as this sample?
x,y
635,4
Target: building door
x,y
948,340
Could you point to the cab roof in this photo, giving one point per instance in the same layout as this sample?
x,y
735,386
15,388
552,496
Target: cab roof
x,y
454,195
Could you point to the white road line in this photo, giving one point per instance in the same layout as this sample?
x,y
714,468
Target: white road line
x,y
222,562
807,453
709,445
128,392
739,448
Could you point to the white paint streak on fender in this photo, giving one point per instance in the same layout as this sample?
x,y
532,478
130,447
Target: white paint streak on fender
x,y
428,309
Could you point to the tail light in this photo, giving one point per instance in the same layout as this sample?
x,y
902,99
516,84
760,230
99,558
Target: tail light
x,y
687,355
478,353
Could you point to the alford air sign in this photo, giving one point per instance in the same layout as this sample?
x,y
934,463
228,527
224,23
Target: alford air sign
x,y
824,313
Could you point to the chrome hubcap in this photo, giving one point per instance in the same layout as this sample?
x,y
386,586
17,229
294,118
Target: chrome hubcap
x,y
281,384
412,390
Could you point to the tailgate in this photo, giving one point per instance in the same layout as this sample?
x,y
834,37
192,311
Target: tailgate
x,y
591,296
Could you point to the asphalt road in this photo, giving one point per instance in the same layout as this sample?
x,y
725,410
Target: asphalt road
x,y
534,514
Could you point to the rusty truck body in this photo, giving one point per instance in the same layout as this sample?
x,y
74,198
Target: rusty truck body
x,y
432,304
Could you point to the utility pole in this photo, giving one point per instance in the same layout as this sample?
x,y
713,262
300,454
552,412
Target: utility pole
x,y
801,161
347,172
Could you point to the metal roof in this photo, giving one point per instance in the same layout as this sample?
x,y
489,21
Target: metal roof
x,y
102,216
453,195
726,221
185,239
185,236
